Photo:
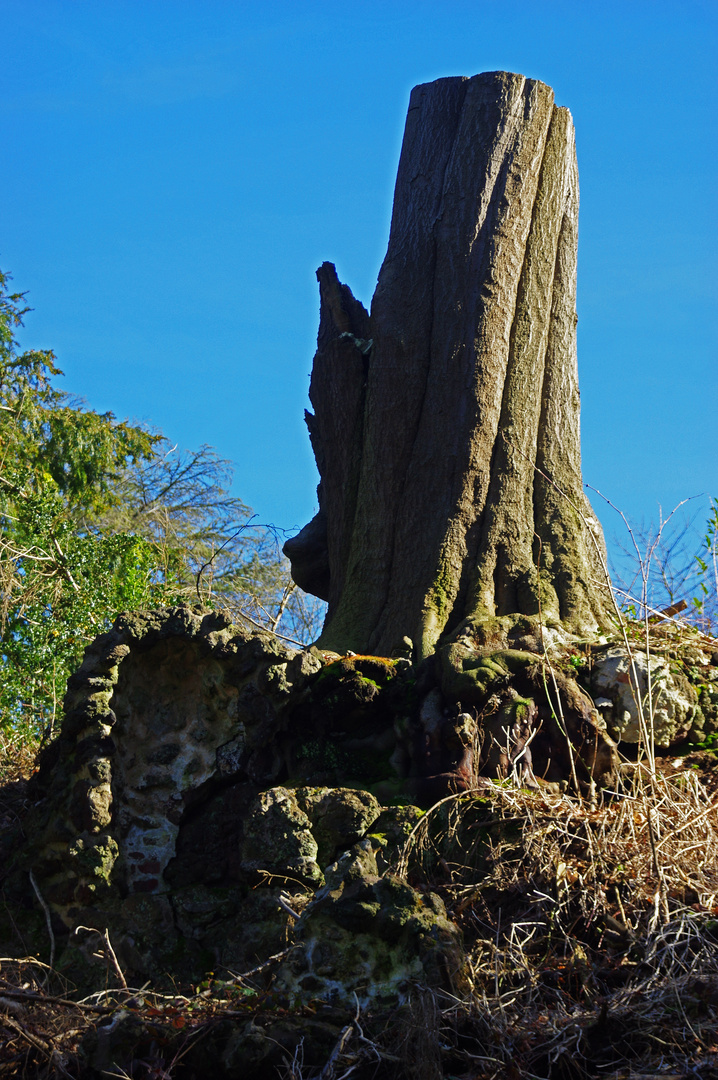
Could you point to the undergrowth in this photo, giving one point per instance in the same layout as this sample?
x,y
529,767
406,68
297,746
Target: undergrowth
x,y
592,943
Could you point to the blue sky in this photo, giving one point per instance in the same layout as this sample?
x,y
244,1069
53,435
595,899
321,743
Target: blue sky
x,y
175,172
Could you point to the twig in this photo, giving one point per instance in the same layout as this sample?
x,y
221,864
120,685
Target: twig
x,y
113,957
286,906
267,963
39,1044
7,1004
110,952
49,999
327,1072
289,591
64,569
48,919
260,626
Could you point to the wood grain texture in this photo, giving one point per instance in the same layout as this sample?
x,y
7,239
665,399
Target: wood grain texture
x,y
429,441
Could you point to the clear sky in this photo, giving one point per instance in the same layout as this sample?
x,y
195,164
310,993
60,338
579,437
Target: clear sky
x,y
174,172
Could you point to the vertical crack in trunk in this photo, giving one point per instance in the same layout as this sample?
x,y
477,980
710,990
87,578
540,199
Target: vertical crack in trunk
x,y
506,584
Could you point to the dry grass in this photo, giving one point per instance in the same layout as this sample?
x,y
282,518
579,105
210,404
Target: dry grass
x,y
42,1024
592,942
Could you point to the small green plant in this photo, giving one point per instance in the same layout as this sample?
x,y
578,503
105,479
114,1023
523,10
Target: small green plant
x,y
709,743
705,604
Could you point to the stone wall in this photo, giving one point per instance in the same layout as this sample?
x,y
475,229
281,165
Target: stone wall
x,y
215,796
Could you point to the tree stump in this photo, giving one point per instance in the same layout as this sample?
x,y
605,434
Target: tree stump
x,y
446,423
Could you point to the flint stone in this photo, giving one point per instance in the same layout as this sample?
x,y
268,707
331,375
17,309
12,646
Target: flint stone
x,y
674,701
277,839
339,817
368,938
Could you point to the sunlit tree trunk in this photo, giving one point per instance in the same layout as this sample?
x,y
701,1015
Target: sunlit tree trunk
x,y
446,423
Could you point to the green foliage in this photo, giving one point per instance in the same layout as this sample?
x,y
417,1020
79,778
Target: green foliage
x,y
709,743
48,442
99,516
61,590
62,582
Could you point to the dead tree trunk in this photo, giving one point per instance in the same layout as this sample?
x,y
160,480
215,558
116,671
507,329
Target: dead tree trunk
x,y
446,424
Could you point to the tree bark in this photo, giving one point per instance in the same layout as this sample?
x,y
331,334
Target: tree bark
x,y
446,424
